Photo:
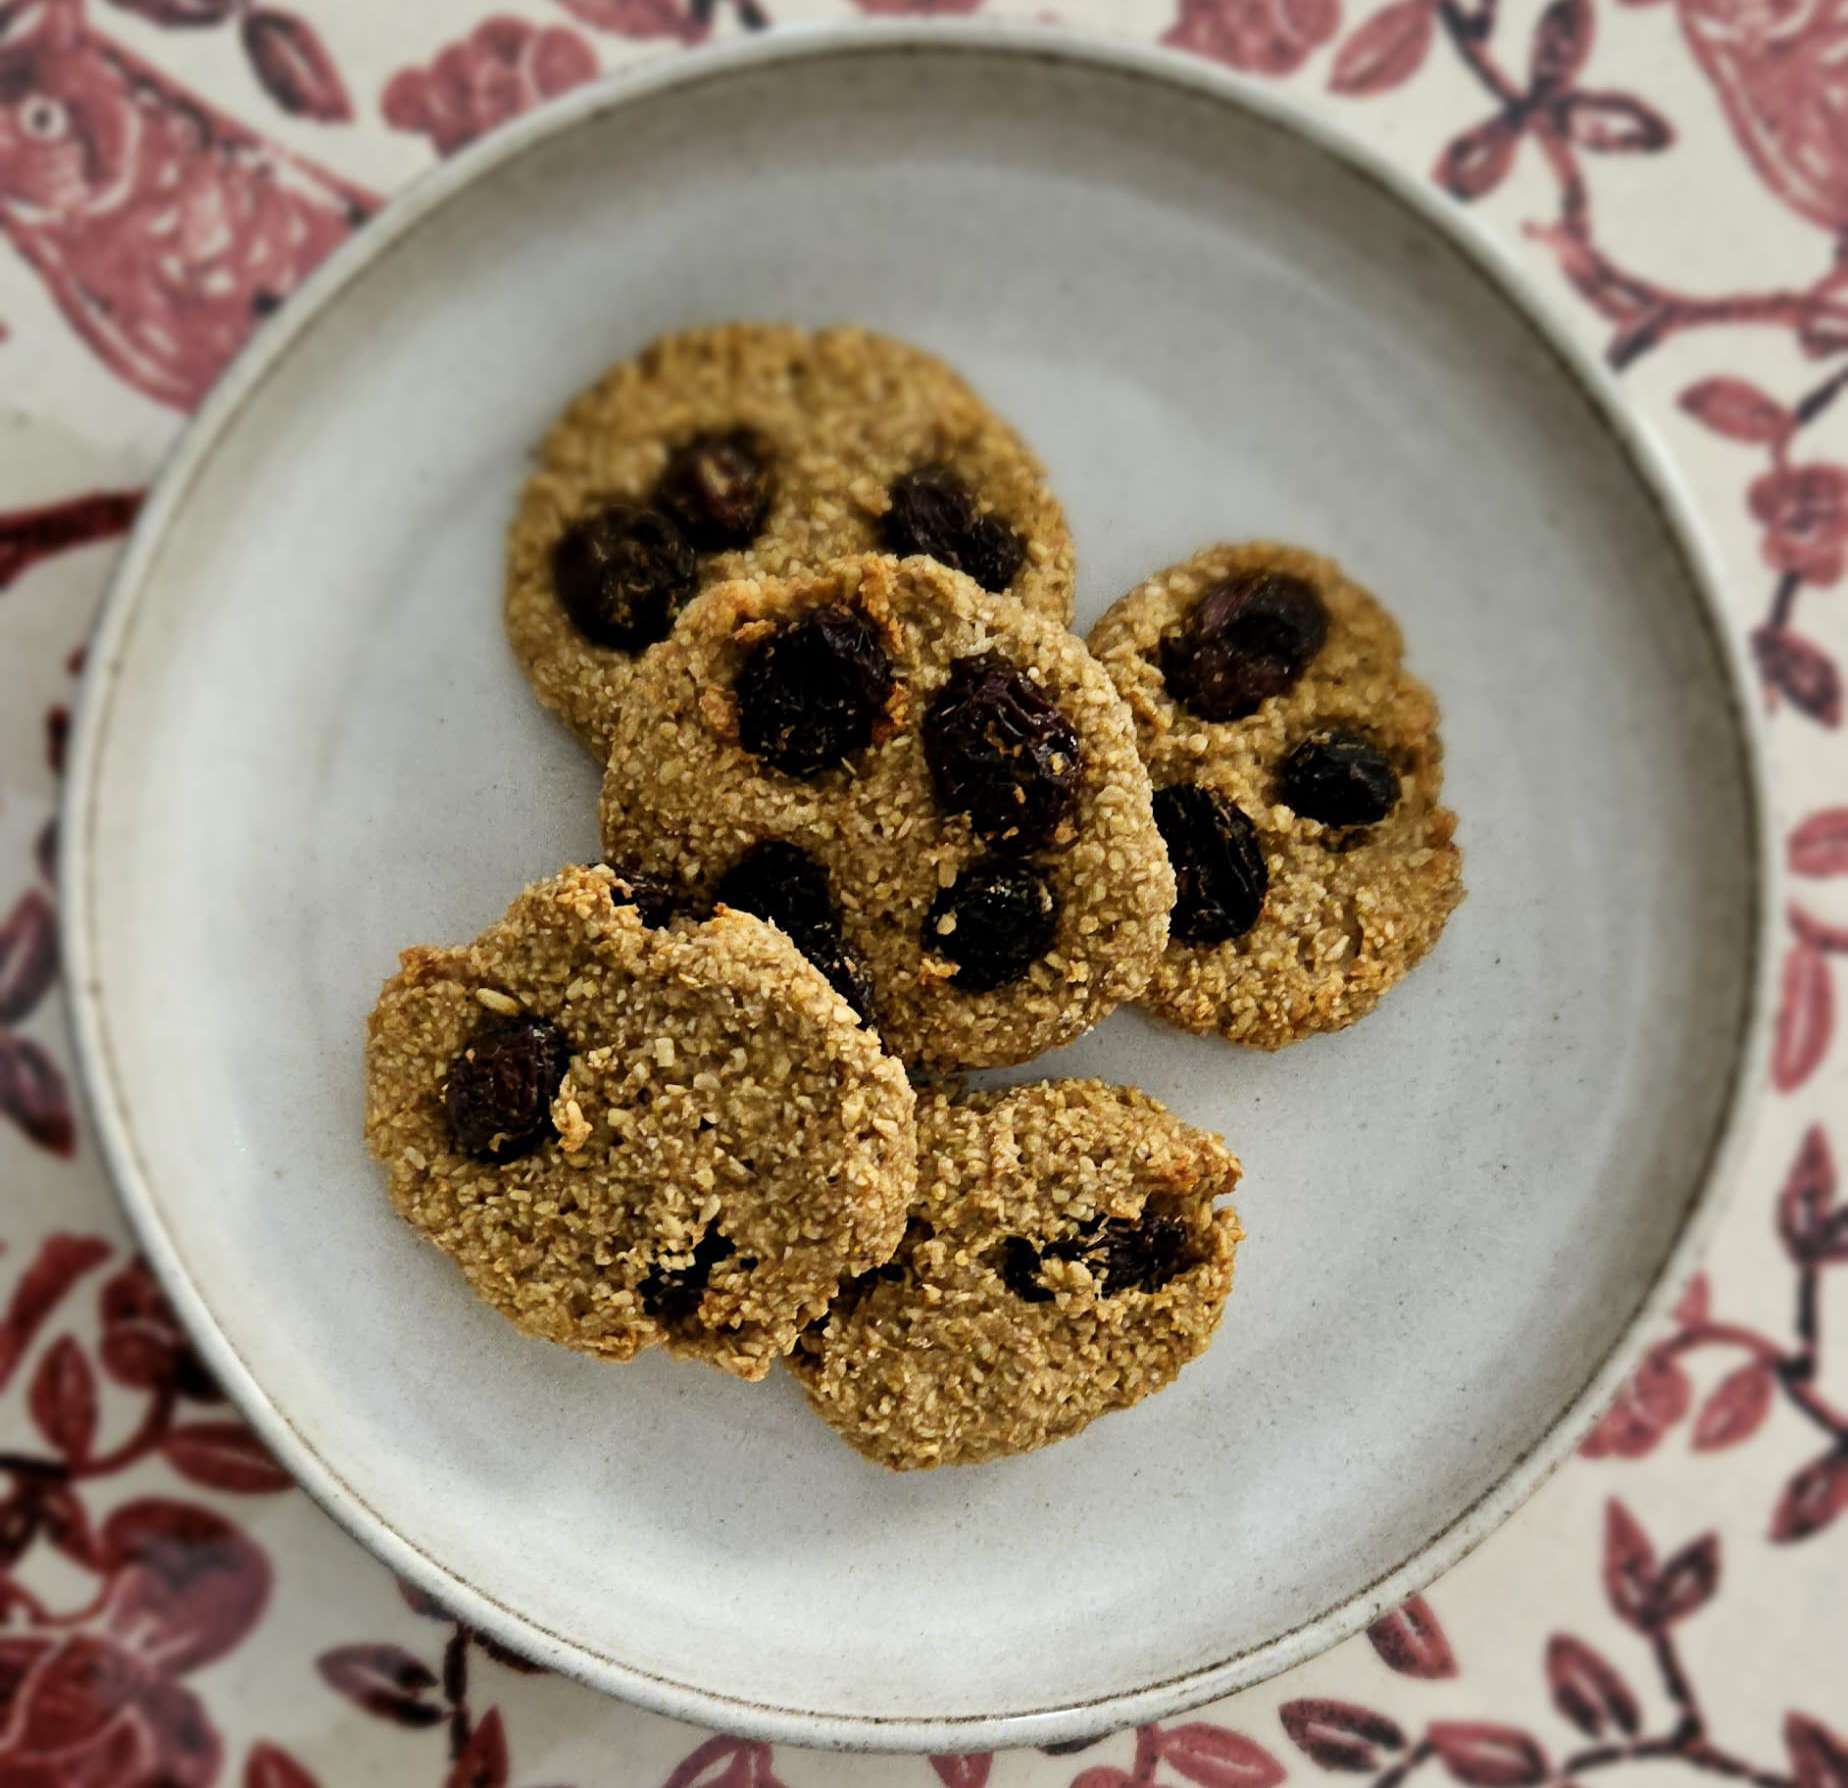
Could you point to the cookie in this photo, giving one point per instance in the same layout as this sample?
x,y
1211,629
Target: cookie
x,y
1297,769
626,1135
891,763
1064,1258
758,450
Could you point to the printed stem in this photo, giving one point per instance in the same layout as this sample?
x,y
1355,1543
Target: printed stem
x,y
1783,601
455,1690
1470,33
1419,1753
1697,1754
1680,1691
1148,1754
1792,1371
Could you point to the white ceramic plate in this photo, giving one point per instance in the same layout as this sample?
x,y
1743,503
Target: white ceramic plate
x,y
306,745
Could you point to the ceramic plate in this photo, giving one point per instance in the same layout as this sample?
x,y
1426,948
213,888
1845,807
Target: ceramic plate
x,y
306,745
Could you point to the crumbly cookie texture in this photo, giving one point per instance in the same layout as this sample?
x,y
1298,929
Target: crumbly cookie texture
x,y
684,798
725,1145
1348,910
841,413
1064,1259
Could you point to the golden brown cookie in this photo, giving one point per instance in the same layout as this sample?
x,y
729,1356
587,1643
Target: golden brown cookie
x,y
1297,768
627,1136
1064,1258
882,754
755,450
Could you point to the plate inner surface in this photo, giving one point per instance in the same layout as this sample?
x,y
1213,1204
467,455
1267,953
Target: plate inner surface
x,y
320,751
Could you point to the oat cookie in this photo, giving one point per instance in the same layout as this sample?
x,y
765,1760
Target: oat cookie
x,y
1297,768
626,1135
1063,1259
894,765
756,450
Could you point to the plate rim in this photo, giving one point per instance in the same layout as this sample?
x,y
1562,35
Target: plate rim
x,y
1634,437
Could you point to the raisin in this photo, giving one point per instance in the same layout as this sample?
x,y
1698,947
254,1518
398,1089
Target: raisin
x,y
1020,1265
622,576
1219,871
933,512
1248,638
653,899
1121,1253
501,1087
717,488
785,885
1000,752
811,694
673,1294
1135,1254
1340,779
994,922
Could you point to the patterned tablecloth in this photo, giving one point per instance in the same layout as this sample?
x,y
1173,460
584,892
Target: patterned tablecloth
x,y
1674,178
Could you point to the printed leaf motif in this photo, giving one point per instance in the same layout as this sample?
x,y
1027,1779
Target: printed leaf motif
x,y
63,1399
1812,1499
181,12
1818,1757
1216,1758
1412,1643
1738,1406
61,1261
1686,1582
1339,1735
1738,410
638,18
28,955
269,1767
66,1525
1476,162
1386,51
482,1762
1104,1777
1488,1756
1692,1309
34,1095
1820,845
1806,1205
1801,671
1613,124
225,1456
964,1772
718,1763
1562,42
383,1679
1655,1397
294,66
1805,1016
1587,1690
1629,1566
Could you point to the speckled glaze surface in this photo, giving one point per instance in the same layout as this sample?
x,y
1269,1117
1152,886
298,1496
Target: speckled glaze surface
x,y
190,1482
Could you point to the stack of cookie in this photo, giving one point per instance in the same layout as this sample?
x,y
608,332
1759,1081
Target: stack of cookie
x,y
872,817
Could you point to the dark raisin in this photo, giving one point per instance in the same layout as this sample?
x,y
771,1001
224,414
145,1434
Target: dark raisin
x,y
653,899
994,922
1137,1254
673,1294
811,694
717,488
1219,871
622,575
1340,779
933,512
782,883
1248,638
1020,1265
1000,752
501,1087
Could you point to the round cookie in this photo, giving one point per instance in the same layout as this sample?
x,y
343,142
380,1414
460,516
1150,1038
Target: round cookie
x,y
1063,1259
1267,688
882,757
627,1136
771,450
